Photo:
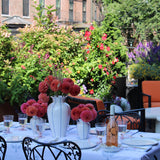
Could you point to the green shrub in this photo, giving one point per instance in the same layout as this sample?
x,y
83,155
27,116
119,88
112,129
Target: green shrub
x,y
92,58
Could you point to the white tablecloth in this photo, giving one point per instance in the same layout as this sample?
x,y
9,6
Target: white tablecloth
x,y
14,150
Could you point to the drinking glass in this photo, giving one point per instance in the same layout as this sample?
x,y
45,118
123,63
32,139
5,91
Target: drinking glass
x,y
100,130
22,119
122,127
12,117
7,120
40,127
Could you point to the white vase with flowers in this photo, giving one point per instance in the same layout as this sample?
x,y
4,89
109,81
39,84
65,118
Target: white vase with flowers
x,y
58,111
83,114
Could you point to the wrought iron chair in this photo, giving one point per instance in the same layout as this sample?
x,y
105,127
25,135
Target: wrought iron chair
x,y
34,149
3,148
135,118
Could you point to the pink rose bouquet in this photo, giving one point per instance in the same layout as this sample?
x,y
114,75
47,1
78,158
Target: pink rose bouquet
x,y
54,86
85,112
34,108
48,87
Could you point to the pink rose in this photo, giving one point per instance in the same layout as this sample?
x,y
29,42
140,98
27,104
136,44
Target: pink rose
x,y
86,115
24,107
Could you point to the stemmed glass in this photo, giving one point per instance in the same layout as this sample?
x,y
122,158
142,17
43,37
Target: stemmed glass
x,y
7,120
22,118
100,130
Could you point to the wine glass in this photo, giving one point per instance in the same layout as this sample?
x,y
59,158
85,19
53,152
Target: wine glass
x,y
22,119
100,130
7,120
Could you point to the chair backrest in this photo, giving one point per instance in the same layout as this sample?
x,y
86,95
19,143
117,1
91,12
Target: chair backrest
x,y
135,118
66,150
74,101
151,88
3,148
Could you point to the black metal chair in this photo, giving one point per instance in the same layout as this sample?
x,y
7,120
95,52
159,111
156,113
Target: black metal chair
x,y
34,149
135,118
3,148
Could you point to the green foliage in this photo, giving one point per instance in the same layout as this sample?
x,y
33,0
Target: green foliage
x,y
93,61
102,60
44,17
38,53
4,92
5,56
19,90
136,19
145,71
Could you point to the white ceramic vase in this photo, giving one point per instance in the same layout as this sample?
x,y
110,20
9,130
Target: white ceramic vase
x,y
58,116
83,129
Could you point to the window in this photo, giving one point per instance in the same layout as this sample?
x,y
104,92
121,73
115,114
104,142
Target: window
x,y
71,10
84,11
25,7
58,6
5,7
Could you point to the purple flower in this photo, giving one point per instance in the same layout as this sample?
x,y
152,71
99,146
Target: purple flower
x,y
84,89
145,53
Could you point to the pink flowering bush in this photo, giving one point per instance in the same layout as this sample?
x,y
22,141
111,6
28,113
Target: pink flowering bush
x,y
101,62
86,112
38,51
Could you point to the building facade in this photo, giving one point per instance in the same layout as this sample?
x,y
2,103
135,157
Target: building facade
x,y
68,12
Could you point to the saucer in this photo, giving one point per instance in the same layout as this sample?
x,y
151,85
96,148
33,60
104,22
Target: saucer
x,y
111,148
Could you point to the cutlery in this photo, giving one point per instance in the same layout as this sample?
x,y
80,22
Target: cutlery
x,y
133,133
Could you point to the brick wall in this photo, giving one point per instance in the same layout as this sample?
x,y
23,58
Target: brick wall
x,y
16,9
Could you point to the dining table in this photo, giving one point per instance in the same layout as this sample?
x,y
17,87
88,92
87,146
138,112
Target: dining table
x,y
132,145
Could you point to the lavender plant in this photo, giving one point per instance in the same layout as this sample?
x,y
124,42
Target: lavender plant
x,y
145,62
145,53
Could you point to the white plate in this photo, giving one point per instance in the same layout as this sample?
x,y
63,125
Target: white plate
x,y
13,139
111,148
141,141
85,144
